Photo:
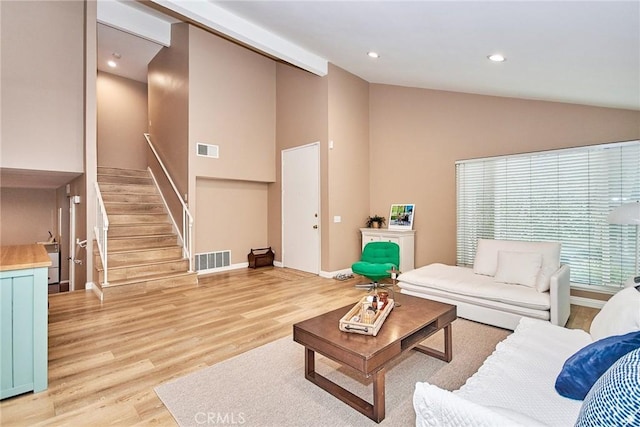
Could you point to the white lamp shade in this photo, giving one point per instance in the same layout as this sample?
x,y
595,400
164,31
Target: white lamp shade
x,y
627,214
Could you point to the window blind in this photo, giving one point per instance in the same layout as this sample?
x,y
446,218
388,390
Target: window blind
x,y
560,195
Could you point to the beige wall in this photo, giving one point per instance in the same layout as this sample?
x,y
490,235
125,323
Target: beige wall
x,y
301,118
45,111
418,134
206,89
42,82
232,104
169,105
27,215
348,167
122,121
231,216
334,108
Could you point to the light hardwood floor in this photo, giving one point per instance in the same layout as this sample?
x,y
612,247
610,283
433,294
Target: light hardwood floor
x,y
106,358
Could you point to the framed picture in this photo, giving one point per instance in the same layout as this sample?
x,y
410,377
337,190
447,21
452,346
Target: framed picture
x,y
401,216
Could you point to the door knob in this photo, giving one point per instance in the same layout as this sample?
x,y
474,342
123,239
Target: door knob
x,y
315,227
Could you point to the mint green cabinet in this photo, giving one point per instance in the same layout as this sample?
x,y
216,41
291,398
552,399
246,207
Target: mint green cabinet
x,y
23,331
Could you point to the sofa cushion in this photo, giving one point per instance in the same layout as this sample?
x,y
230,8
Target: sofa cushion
x,y
486,260
520,268
582,370
620,315
613,400
462,281
499,312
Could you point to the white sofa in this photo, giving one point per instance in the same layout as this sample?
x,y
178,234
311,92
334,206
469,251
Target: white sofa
x,y
516,384
509,280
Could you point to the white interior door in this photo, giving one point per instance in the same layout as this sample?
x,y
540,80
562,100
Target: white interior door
x,y
301,208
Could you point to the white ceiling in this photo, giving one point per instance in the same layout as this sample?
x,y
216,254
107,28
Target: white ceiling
x,y
135,53
584,52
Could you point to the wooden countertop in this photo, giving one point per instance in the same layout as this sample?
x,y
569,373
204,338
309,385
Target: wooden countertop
x,y
20,257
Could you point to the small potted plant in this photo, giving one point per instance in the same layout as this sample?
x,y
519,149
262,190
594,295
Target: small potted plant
x,y
376,221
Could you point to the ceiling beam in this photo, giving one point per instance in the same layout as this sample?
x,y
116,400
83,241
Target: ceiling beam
x,y
216,18
134,21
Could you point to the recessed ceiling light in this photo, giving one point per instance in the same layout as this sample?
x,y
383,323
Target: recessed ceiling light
x,y
496,57
373,55
112,63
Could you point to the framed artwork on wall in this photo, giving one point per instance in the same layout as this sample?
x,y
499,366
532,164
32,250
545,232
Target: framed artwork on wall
x,y
401,216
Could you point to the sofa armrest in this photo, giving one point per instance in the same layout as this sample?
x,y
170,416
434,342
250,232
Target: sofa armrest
x,y
559,294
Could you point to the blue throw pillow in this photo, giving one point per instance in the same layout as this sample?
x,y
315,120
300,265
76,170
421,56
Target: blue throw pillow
x,y
614,399
582,370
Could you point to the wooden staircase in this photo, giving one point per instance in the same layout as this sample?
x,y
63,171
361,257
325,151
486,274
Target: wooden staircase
x,y
144,253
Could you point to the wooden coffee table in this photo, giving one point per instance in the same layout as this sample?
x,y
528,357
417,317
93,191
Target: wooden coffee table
x,y
405,328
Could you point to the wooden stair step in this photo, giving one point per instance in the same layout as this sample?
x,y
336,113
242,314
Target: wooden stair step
x,y
156,277
138,230
102,170
141,242
142,218
141,248
131,288
123,179
131,198
137,256
143,270
133,208
127,188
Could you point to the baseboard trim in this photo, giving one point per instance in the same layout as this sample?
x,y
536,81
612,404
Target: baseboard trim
x,y
227,268
587,302
91,287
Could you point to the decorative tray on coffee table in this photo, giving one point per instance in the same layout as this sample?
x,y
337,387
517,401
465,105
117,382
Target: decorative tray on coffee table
x,y
354,320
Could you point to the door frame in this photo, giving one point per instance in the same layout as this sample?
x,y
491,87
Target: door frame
x,y
72,244
282,204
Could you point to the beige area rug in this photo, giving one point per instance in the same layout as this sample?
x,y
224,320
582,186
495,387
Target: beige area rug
x,y
266,386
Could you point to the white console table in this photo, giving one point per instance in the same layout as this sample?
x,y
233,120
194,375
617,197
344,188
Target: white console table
x,y
404,238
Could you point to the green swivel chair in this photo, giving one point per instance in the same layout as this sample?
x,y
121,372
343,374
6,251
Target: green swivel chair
x,y
377,258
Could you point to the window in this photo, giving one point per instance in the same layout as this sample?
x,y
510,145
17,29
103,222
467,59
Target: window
x,y
561,195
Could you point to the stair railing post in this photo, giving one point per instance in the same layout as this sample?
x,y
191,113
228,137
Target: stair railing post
x,y
101,231
104,261
190,234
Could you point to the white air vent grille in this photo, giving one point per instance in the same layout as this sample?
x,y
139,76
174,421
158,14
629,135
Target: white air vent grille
x,y
210,260
208,150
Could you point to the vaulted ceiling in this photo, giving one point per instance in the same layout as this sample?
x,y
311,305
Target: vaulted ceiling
x,y
584,52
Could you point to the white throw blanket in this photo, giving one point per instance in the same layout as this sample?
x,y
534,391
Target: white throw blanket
x,y
436,407
515,383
